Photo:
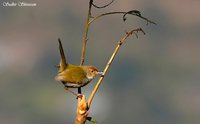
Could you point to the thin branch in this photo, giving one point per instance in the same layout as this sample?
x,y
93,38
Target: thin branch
x,y
137,13
132,12
85,35
135,31
100,7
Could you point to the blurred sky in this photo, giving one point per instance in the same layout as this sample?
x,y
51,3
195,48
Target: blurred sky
x,y
154,79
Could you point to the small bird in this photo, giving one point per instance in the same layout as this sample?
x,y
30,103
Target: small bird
x,y
74,76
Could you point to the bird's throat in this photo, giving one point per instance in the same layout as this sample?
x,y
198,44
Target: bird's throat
x,y
90,77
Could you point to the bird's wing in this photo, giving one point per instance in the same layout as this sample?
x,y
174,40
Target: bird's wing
x,y
77,75
72,75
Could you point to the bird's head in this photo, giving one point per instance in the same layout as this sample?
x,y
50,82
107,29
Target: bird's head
x,y
91,71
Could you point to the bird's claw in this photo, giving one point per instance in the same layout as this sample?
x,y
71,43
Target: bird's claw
x,y
79,96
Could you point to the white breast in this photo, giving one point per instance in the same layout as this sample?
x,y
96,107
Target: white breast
x,y
90,78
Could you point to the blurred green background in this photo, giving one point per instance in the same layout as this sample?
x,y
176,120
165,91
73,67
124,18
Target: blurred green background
x,y
153,80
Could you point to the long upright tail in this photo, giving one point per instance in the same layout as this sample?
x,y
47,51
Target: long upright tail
x,y
63,63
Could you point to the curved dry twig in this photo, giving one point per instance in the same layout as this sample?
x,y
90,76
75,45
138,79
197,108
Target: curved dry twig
x,y
134,31
100,7
137,13
132,12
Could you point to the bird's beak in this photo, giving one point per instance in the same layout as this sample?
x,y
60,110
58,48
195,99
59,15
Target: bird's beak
x,y
100,73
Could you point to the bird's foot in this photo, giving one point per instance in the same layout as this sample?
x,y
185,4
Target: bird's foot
x,y
79,96
76,94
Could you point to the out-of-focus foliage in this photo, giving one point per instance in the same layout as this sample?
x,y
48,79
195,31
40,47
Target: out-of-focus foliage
x,y
154,79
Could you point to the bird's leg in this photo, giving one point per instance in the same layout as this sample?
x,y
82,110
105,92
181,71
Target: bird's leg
x,y
76,94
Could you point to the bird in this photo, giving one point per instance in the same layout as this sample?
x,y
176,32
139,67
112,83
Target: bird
x,y
74,76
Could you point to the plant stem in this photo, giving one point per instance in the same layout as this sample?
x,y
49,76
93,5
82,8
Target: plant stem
x,y
135,31
85,35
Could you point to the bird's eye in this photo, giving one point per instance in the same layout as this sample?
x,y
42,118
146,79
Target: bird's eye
x,y
92,71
